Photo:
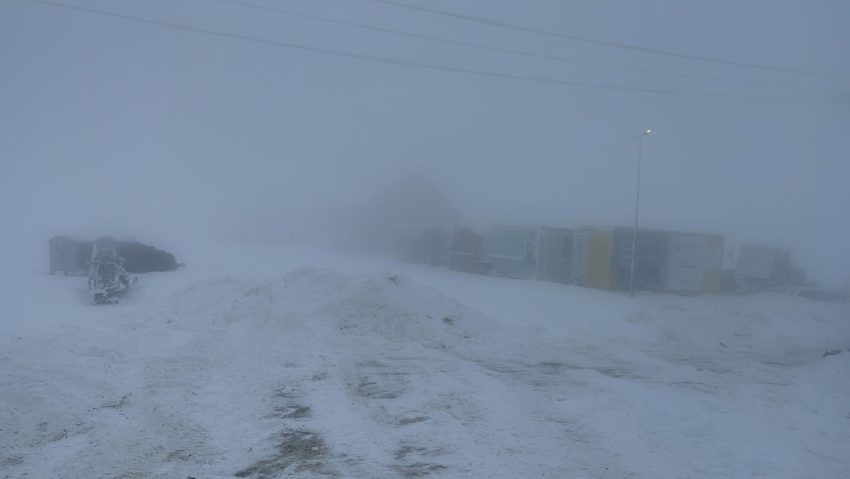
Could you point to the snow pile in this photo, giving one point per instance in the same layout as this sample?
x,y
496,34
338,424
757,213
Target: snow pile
x,y
379,304
414,372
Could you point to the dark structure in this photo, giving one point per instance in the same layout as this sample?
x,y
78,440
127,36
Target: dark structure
x,y
70,256
63,255
651,251
512,249
457,247
531,252
555,255
673,261
141,258
467,251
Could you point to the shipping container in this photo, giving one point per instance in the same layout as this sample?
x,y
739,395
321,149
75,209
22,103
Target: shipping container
x,y
69,256
512,251
663,260
555,255
531,252
467,251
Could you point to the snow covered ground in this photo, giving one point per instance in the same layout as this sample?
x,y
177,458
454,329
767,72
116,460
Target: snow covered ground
x,y
262,362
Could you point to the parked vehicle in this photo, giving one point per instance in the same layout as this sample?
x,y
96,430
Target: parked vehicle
x,y
108,280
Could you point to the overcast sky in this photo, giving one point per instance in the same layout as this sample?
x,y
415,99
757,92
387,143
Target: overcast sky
x,y
135,128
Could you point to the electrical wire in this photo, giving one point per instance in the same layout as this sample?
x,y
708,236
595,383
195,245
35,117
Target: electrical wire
x,y
495,48
372,58
594,41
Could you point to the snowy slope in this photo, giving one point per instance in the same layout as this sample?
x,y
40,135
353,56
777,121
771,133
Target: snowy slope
x,y
273,363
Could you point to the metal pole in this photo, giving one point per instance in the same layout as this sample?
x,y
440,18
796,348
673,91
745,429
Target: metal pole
x,y
637,211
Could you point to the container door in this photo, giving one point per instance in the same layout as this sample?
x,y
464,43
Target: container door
x,y
599,260
579,273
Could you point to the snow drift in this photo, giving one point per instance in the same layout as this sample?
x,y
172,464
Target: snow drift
x,y
414,372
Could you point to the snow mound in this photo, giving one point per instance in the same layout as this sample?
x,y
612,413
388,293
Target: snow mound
x,y
382,304
397,308
219,301
318,372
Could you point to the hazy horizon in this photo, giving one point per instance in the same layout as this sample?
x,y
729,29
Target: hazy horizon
x,y
114,126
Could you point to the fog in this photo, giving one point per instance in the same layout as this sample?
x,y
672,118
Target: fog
x,y
109,125
394,238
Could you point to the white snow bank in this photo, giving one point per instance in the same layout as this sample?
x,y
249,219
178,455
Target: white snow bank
x,y
412,372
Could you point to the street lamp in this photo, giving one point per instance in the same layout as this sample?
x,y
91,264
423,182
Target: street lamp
x,y
637,211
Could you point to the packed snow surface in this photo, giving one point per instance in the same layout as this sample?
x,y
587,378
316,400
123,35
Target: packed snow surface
x,y
282,364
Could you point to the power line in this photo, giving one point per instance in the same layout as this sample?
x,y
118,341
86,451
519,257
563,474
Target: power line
x,y
367,57
612,44
496,48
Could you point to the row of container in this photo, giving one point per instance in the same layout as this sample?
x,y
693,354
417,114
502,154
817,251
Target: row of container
x,y
596,257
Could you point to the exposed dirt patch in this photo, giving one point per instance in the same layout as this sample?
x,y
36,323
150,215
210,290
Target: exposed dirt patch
x,y
405,451
373,390
417,461
130,475
286,393
501,367
616,373
418,469
298,451
296,411
556,367
120,403
377,381
11,461
406,421
178,455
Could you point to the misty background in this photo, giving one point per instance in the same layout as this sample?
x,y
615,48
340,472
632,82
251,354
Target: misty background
x,y
114,126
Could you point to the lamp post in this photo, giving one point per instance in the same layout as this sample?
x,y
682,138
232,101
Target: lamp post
x,y
637,211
